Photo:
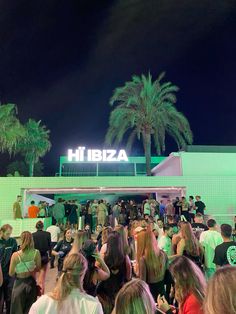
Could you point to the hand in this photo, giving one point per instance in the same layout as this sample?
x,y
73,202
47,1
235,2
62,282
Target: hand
x,y
162,303
97,256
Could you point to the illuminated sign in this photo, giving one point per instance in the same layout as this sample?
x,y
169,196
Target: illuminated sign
x,y
105,155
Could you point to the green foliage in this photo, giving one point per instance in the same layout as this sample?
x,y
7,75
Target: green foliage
x,y
146,108
36,143
11,131
20,166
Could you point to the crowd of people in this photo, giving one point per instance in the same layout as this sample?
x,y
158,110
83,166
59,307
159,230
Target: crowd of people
x,y
147,258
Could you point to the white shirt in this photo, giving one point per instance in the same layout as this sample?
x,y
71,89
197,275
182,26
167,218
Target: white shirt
x,y
77,302
165,244
54,231
209,240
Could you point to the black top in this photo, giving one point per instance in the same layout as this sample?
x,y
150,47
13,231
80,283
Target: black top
x,y
198,228
42,241
225,254
200,207
63,247
7,248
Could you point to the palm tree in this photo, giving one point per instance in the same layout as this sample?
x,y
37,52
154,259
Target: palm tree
x,y
146,109
11,130
36,143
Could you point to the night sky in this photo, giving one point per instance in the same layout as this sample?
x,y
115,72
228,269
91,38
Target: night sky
x,y
61,60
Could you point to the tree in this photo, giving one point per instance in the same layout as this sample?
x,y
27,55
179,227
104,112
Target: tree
x,y
20,166
11,130
146,109
35,145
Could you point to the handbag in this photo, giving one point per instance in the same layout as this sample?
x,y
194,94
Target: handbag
x,y
38,288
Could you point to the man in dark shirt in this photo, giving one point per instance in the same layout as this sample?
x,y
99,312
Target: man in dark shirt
x,y
42,242
199,205
225,253
8,246
198,226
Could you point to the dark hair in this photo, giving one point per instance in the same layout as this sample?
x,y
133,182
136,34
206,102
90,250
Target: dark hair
x,y
211,223
32,202
170,217
226,230
114,256
167,227
39,225
191,197
64,233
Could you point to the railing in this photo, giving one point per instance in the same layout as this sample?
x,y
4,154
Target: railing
x,y
99,174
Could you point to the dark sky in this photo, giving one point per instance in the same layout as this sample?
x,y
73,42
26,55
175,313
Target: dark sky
x,y
61,60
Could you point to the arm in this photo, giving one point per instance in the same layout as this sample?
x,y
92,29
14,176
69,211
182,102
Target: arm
x,y
13,263
103,272
37,261
180,247
128,268
1,276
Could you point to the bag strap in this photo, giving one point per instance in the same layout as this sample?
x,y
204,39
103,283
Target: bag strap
x,y
23,262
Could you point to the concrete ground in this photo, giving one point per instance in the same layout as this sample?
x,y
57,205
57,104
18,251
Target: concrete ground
x,y
50,279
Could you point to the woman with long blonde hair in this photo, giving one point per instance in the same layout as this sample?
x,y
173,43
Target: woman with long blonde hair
x,y
124,238
134,297
221,292
68,296
24,265
189,246
190,286
153,265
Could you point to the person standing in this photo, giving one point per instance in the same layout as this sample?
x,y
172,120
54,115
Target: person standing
x,y
199,205
225,253
24,265
42,242
59,212
185,208
33,210
209,240
62,249
17,208
73,217
8,246
102,210
55,235
165,242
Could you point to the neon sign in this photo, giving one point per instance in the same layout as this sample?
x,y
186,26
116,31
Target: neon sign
x,y
104,155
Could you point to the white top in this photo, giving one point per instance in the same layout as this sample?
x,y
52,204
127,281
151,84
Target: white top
x,y
54,231
77,302
165,244
209,240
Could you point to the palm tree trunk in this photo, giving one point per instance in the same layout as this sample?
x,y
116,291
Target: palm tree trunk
x,y
31,168
147,151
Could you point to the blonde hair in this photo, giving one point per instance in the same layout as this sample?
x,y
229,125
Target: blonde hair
x,y
27,242
155,259
188,279
134,297
191,242
121,230
74,269
221,292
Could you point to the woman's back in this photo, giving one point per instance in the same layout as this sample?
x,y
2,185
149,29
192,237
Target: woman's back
x,y
26,262
75,302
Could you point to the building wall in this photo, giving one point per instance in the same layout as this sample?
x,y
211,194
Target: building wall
x,y
218,192
212,164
